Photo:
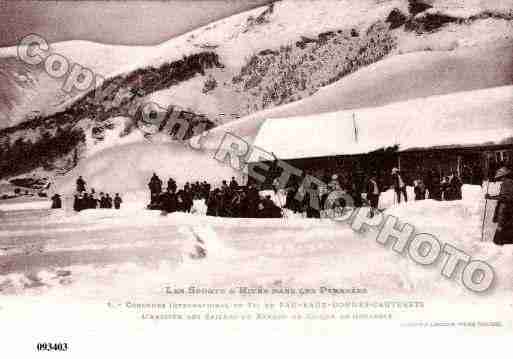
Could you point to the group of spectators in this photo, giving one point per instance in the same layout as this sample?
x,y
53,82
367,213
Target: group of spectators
x,y
234,200
228,200
437,187
90,200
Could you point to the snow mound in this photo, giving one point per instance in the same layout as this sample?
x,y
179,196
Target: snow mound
x,y
128,168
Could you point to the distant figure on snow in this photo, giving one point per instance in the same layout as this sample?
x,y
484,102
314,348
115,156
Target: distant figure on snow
x,y
503,215
155,186
56,201
108,201
373,193
81,184
420,190
399,185
233,184
117,201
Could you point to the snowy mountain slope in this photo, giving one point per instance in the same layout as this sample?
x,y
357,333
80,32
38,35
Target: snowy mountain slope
x,y
234,39
408,76
265,58
44,94
238,38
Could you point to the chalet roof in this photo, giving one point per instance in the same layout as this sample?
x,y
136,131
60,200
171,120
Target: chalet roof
x,y
466,119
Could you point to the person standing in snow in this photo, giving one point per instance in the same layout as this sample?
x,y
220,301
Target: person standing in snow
x,y
233,184
56,201
117,201
399,185
445,189
81,185
503,215
108,201
155,186
420,190
373,193
455,185
171,184
94,199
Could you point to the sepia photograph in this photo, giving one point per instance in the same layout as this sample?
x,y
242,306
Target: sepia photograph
x,y
181,173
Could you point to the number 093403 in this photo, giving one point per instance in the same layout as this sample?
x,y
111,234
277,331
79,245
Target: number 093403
x,y
52,347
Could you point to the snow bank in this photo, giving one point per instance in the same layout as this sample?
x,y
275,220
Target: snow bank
x,y
128,168
6,205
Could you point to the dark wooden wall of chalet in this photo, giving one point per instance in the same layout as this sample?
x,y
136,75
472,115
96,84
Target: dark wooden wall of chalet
x,y
413,164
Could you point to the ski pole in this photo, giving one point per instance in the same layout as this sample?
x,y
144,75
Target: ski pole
x,y
485,209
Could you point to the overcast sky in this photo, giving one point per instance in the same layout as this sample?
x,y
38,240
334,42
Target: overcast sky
x,y
113,22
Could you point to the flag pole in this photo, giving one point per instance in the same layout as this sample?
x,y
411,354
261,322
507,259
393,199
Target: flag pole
x,y
355,129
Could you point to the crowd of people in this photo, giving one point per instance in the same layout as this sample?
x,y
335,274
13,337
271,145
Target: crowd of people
x,y
448,188
90,200
234,200
228,200
231,199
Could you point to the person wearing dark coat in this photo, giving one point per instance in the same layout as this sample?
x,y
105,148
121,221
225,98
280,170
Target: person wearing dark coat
x,y
76,203
80,202
455,185
477,175
466,174
93,201
291,202
169,201
373,193
117,201
503,215
212,203
188,197
155,186
56,201
108,201
267,209
103,200
171,184
86,201
206,189
81,184
399,185
253,199
420,190
234,184
180,201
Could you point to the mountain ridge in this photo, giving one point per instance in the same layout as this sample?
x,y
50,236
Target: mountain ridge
x,y
236,69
